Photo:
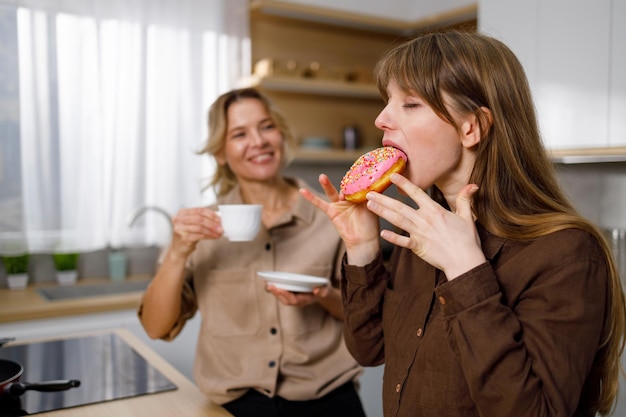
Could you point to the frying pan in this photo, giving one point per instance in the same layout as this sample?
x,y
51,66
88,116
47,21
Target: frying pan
x,y
10,373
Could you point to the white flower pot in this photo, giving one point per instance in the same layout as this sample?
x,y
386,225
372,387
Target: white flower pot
x,y
66,278
17,281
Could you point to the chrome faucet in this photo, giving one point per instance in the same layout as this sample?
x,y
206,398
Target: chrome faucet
x,y
145,209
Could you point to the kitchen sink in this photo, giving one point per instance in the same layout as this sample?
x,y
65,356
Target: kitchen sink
x,y
93,290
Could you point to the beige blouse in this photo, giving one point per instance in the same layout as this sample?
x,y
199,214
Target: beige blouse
x,y
248,339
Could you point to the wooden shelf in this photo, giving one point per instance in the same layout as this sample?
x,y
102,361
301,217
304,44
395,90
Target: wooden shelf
x,y
589,155
315,86
362,19
327,156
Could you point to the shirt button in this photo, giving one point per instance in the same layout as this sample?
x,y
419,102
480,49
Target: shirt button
x,y
398,386
271,364
419,332
273,330
268,246
442,300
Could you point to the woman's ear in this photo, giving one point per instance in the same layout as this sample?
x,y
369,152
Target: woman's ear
x,y
220,157
475,127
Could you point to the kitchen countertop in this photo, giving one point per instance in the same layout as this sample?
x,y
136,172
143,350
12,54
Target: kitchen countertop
x,y
28,304
185,401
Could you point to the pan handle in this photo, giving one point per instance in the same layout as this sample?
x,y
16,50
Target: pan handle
x,y
18,388
5,340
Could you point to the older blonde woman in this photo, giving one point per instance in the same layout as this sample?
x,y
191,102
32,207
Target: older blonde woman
x,y
262,351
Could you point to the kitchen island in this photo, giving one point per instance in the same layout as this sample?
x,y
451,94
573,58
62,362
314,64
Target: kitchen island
x,y
185,400
26,315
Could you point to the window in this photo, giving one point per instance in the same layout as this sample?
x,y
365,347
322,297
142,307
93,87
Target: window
x,y
103,107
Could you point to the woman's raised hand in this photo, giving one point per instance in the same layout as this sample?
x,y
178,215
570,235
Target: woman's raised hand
x,y
192,225
357,226
445,239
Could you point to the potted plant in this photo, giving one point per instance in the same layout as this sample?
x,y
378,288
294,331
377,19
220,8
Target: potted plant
x,y
66,267
16,268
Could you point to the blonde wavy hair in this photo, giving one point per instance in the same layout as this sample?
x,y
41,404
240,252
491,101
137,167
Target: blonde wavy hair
x,y
224,179
519,196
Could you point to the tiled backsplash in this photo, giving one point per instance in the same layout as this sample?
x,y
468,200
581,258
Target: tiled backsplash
x,y
598,191
140,260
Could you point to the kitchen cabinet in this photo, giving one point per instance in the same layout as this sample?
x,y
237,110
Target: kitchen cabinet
x,y
572,53
329,83
319,104
572,77
617,86
321,108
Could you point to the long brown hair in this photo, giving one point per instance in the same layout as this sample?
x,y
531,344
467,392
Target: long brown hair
x,y
224,179
519,196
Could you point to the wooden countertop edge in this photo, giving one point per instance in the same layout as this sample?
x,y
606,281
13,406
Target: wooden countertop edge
x,y
172,373
85,305
28,304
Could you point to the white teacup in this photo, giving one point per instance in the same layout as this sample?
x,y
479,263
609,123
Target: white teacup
x,y
241,222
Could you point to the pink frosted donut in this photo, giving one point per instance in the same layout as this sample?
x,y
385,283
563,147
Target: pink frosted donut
x,y
372,172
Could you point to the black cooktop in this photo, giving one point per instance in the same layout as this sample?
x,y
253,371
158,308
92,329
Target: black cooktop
x,y
107,367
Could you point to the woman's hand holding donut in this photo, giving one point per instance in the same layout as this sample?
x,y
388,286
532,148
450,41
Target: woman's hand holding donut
x,y
192,225
357,226
447,240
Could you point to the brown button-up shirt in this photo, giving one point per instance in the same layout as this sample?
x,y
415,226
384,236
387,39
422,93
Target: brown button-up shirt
x,y
516,336
248,339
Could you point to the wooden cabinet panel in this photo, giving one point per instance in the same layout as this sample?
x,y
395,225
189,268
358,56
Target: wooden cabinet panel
x,y
325,116
338,92
321,104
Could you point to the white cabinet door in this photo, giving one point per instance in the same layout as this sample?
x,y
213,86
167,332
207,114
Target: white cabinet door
x,y
617,92
514,23
573,72
564,46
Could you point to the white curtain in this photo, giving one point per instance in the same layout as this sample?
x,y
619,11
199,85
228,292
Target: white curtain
x,y
112,99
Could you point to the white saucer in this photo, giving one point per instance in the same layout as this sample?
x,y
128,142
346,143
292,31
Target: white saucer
x,y
293,282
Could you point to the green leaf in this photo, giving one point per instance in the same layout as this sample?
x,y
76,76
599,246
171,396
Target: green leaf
x,y
15,264
65,261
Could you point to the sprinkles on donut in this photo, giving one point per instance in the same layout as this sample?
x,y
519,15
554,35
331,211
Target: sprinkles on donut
x,y
372,172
